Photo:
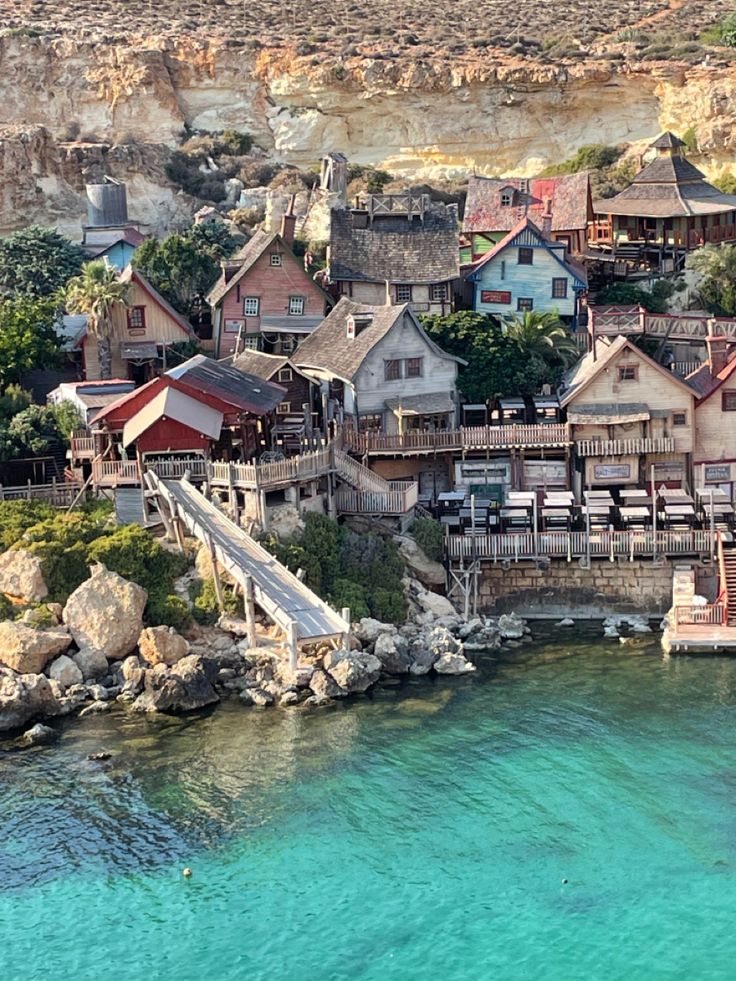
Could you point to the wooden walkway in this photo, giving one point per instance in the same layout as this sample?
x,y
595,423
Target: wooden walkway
x,y
287,602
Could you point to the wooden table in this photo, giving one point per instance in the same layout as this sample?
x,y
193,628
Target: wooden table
x,y
635,494
680,514
719,495
557,517
676,496
560,496
635,515
515,517
599,514
594,497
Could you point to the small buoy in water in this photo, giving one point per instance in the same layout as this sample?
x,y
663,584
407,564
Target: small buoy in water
x,y
564,882
186,872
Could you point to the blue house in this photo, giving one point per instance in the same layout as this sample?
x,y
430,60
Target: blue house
x,y
119,251
526,271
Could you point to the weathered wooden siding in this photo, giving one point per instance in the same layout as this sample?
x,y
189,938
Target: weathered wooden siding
x,y
504,273
273,285
715,430
653,388
403,341
375,294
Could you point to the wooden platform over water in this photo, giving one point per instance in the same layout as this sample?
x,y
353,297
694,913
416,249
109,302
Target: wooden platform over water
x,y
699,638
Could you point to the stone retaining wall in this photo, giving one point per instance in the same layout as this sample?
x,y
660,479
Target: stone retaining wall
x,y
566,589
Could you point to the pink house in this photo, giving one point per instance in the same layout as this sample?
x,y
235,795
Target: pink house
x,y
264,298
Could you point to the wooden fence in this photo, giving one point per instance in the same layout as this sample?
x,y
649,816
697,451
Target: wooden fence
x,y
60,494
400,499
712,614
625,447
466,437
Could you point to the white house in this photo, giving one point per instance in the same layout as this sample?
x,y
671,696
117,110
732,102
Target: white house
x,y
380,369
527,271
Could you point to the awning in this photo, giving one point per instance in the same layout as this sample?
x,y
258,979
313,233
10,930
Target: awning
x,y
540,401
434,403
138,350
609,414
170,403
290,325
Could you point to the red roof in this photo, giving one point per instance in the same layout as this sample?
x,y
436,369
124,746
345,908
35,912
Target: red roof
x,y
705,383
567,198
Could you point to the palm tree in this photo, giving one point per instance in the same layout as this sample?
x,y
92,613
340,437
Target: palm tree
x,y
545,348
95,293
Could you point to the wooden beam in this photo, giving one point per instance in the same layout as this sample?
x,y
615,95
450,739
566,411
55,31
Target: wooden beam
x,y
293,645
250,610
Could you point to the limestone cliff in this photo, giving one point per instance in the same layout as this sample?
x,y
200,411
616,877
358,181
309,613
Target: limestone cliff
x,y
75,108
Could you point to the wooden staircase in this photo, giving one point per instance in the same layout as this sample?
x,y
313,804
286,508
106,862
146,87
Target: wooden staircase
x,y
727,556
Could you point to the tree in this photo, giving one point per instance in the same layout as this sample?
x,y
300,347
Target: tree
x,y
626,294
37,262
545,347
96,292
717,289
28,337
184,266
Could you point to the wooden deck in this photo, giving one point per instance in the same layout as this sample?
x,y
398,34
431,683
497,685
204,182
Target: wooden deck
x,y
282,597
552,435
698,638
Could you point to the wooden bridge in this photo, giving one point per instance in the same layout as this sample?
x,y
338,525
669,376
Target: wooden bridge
x,y
292,606
610,321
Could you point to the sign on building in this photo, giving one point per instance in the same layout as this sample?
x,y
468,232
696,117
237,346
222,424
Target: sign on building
x,y
495,296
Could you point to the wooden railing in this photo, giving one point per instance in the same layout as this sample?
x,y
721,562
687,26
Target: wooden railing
x,y
400,499
82,445
174,468
466,437
111,473
624,447
713,614
267,475
59,494
360,477
575,545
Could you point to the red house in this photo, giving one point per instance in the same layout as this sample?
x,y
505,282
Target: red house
x,y
200,408
264,298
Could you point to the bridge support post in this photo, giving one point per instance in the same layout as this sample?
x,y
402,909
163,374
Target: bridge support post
x,y
250,611
293,645
216,575
346,635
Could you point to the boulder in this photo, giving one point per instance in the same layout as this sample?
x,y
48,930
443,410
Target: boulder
x,y
434,603
393,653
95,708
21,576
40,735
162,645
182,688
132,672
233,625
105,613
324,685
24,697
511,626
289,697
256,696
440,641
92,664
65,671
27,649
368,629
426,570
453,664
285,522
355,671
567,622
423,660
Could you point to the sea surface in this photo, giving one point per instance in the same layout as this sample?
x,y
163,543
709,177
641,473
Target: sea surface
x,y
567,813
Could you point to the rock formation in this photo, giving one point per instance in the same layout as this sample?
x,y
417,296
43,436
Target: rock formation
x,y
105,613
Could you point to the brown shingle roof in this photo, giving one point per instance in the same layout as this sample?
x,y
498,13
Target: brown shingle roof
x,y
568,198
396,249
259,364
246,256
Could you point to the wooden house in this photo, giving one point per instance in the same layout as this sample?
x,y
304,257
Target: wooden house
x,y
395,249
668,210
561,207
526,271
715,420
142,331
264,298
296,423
199,408
630,418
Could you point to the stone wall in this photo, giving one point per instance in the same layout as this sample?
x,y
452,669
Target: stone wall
x,y
566,589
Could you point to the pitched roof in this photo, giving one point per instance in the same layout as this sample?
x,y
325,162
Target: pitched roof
x,y
668,187
329,348
246,256
396,248
706,383
666,141
527,227
245,391
259,364
568,199
596,361
131,275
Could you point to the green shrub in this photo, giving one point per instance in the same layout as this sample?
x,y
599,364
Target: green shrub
x,y
234,144
388,605
350,594
205,609
6,608
17,516
321,541
427,534
168,611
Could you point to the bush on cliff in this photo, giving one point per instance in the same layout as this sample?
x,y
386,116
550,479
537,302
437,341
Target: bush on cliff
x,y
205,608
427,533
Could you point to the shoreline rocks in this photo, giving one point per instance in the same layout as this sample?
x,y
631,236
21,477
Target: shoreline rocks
x,y
105,613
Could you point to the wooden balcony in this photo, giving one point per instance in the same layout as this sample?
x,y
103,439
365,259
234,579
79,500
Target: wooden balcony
x,y
399,500
457,440
81,445
625,447
115,473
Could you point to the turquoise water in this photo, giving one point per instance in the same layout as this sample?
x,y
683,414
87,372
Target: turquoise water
x,y
423,834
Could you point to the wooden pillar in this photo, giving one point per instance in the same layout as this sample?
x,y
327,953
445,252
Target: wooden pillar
x,y
250,611
293,645
216,575
231,498
346,635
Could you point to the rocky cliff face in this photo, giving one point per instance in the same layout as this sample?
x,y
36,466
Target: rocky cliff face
x,y
74,110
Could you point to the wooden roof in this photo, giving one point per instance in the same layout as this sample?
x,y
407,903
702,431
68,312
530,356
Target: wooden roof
x,y
567,197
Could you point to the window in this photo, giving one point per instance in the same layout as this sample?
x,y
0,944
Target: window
x,y
275,258
559,289
370,423
503,269
438,292
413,367
525,304
285,374
526,257
679,418
251,342
392,370
507,199
251,306
233,326
403,293
296,306
728,402
137,318
628,372
283,408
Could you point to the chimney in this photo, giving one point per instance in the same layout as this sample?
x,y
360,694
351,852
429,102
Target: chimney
x,y
288,224
717,353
